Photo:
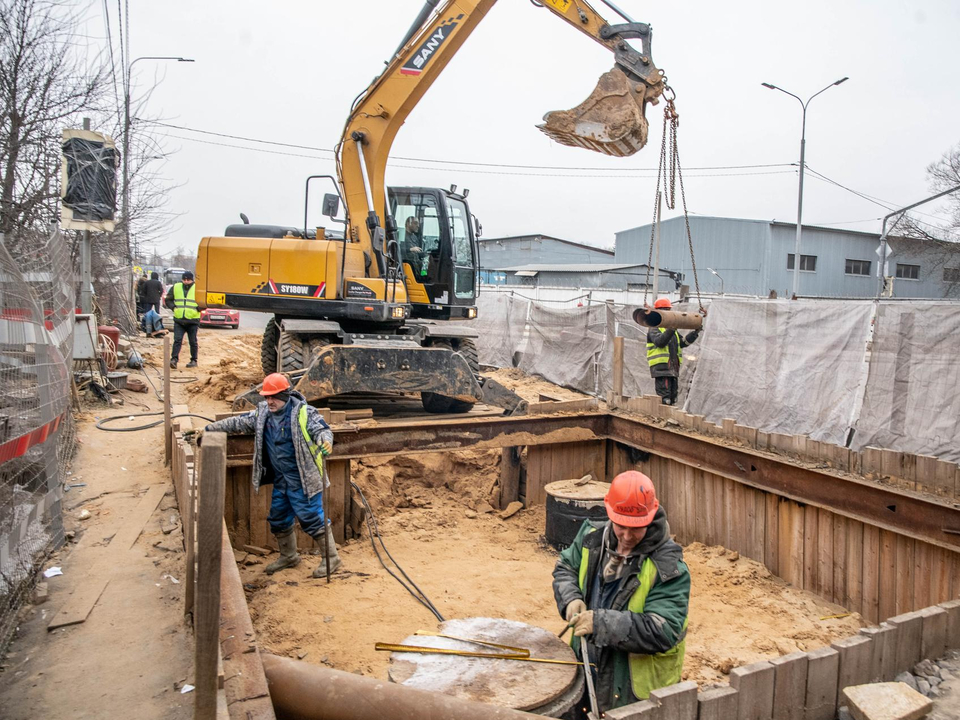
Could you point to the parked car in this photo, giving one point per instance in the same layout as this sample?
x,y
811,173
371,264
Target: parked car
x,y
215,317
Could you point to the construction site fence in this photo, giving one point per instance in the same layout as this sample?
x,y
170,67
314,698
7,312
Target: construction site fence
x,y
853,373
37,437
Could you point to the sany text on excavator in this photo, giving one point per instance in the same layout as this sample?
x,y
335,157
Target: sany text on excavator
x,y
373,308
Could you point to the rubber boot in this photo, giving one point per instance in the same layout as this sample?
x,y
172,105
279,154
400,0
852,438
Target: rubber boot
x,y
333,558
289,557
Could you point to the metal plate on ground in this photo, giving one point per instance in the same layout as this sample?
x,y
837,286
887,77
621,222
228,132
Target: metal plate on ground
x,y
508,683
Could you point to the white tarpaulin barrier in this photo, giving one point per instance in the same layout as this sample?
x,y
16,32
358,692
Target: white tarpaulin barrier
x,y
564,345
790,367
501,320
912,398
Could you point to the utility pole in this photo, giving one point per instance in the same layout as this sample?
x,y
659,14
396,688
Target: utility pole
x,y
86,262
803,145
125,199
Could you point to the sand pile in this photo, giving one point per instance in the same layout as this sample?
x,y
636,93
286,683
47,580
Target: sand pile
x,y
237,367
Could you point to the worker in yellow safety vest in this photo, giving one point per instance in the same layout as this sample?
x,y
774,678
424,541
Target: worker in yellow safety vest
x,y
181,298
291,442
665,356
623,586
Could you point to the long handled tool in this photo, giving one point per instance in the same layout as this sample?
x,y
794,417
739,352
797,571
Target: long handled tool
x,y
588,676
390,647
509,649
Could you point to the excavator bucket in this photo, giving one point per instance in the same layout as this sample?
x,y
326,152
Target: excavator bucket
x,y
611,121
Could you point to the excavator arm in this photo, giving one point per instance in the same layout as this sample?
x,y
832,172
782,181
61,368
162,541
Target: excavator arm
x,y
610,121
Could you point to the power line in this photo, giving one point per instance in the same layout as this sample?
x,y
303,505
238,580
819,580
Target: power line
x,y
886,204
608,175
464,162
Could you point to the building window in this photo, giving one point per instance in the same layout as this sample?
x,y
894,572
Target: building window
x,y
808,263
908,272
951,274
857,267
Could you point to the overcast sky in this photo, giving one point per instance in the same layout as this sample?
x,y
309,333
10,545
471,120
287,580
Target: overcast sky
x,y
287,71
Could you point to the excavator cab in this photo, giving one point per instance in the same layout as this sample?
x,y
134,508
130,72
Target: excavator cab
x,y
438,249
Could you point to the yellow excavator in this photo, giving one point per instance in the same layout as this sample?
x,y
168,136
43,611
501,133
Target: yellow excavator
x,y
373,307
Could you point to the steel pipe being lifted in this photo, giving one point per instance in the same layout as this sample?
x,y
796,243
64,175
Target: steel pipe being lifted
x,y
674,319
302,691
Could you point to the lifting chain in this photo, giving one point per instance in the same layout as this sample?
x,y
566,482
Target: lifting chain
x,y
668,174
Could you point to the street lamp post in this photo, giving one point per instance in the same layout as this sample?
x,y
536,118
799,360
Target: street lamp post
x,y
803,143
125,198
718,275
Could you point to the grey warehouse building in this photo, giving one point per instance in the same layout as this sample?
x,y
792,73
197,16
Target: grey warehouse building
x,y
755,257
517,250
605,276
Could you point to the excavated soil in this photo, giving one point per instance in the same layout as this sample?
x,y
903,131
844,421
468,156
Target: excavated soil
x,y
434,515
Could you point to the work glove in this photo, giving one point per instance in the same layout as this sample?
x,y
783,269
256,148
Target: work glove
x,y
574,608
326,448
583,624
194,437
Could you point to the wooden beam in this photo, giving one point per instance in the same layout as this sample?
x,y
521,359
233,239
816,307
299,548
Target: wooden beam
x,y
509,476
618,366
167,430
213,471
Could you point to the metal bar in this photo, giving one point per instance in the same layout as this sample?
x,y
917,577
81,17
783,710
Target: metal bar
x,y
437,434
390,647
910,514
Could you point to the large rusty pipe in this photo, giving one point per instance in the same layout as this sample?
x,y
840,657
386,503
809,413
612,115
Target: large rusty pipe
x,y
302,691
668,319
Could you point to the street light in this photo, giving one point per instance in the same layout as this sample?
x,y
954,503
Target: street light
x,y
718,275
126,137
803,142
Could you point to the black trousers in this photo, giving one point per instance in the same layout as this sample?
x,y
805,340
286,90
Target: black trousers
x,y
667,388
191,332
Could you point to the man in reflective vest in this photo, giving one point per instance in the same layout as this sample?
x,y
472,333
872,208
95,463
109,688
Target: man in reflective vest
x,y
625,589
181,298
291,441
665,356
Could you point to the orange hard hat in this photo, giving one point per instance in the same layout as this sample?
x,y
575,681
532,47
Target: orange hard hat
x,y
631,499
274,383
663,303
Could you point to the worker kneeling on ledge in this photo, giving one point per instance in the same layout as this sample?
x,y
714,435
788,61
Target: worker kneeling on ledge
x,y
625,589
291,442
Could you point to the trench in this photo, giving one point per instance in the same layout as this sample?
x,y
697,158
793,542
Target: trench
x,y
776,548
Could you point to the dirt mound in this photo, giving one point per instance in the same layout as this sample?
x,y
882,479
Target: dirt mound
x,y
237,370
741,613
530,387
469,478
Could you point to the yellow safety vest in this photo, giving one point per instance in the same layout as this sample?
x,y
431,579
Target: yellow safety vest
x,y
315,450
185,306
661,356
647,672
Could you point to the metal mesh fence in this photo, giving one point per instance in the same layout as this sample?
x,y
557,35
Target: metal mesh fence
x,y
37,436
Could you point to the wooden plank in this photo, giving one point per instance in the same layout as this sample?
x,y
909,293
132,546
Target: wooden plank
x,y
240,479
78,606
789,686
339,473
946,478
791,542
944,576
926,473
870,461
854,566
856,662
259,509
536,457
933,641
891,463
887,576
755,517
618,366
189,519
822,667
677,701
921,575
811,556
509,476
910,639
755,683
167,432
244,679
871,574
905,570
839,564
825,554
719,703
213,475
730,522
563,406
771,551
711,518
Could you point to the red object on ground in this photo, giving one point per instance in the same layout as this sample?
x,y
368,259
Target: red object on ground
x,y
217,317
111,332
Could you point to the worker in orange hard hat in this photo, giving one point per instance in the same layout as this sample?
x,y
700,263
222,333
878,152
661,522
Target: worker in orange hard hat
x,y
623,586
291,442
665,356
